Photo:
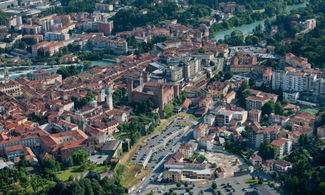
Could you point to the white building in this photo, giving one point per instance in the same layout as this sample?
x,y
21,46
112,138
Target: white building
x,y
56,36
292,96
206,143
298,82
209,119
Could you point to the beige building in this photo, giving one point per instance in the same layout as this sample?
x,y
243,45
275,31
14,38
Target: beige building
x,y
173,175
230,96
283,146
187,150
11,88
200,131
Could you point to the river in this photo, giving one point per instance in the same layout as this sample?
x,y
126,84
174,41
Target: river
x,y
248,28
52,69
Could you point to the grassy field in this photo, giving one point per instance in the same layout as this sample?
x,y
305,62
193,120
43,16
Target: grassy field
x,y
310,110
129,177
180,11
191,116
75,171
72,171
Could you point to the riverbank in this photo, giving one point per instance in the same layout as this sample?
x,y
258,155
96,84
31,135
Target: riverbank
x,y
248,28
16,72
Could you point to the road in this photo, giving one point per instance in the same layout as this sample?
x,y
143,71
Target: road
x,y
176,134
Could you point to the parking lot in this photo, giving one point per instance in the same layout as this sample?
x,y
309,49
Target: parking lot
x,y
98,158
233,185
169,139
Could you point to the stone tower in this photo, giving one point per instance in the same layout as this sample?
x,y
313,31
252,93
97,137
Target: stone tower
x,y
101,96
6,74
141,78
109,98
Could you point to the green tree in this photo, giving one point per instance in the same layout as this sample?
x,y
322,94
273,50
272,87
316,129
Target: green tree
x,y
268,108
74,188
285,101
267,151
51,164
303,140
97,188
228,75
214,185
23,162
242,94
87,65
201,50
278,109
79,157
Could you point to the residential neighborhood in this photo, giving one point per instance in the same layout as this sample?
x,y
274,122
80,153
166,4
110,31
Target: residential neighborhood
x,y
161,97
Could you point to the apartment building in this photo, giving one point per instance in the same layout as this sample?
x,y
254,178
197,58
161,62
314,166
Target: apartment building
x,y
218,89
294,81
255,115
118,46
100,26
200,131
258,98
297,62
56,36
257,135
13,21
283,145
227,117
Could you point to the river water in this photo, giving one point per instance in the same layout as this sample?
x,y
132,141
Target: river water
x,y
248,28
15,74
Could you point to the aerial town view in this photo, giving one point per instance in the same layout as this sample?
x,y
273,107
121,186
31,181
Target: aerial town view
x,y
170,97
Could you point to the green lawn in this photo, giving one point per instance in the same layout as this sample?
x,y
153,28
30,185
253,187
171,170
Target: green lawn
x,y
75,171
72,171
191,116
180,11
310,110
101,168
